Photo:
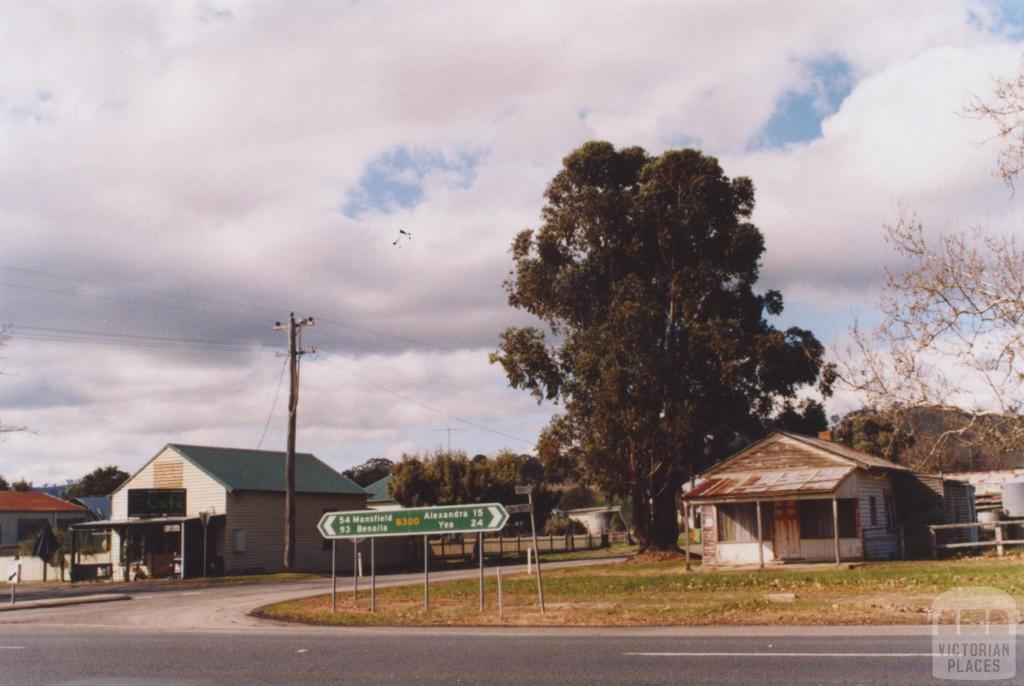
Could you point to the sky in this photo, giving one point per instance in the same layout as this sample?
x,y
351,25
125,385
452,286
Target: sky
x,y
175,177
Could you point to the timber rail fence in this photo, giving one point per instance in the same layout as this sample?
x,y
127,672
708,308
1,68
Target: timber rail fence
x,y
999,541
460,546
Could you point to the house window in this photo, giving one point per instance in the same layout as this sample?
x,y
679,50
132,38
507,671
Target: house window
x,y
27,528
873,507
238,540
737,522
890,512
816,518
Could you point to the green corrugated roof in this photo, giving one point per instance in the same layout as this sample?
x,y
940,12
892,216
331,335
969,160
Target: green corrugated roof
x,y
263,470
378,490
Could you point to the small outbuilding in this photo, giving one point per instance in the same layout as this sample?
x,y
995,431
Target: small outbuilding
x,y
598,521
792,498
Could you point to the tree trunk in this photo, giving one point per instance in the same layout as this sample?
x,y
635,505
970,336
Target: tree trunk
x,y
664,533
641,518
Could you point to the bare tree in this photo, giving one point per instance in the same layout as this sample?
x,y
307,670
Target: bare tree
x,y
1005,109
952,337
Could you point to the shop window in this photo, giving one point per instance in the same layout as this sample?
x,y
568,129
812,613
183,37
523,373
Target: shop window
x,y
737,522
238,540
816,518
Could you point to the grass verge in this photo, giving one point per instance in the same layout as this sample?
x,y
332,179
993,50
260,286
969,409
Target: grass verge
x,y
661,593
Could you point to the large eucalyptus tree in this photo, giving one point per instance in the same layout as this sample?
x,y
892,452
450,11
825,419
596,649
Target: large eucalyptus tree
x,y
656,343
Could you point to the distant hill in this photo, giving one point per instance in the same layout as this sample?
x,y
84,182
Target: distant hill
x,y
936,439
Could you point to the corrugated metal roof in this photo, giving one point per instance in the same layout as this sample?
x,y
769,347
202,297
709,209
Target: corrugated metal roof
x,y
733,485
99,505
263,470
987,483
988,486
378,491
35,501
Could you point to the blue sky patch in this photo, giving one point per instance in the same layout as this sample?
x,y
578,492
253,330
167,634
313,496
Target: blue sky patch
x,y
1011,17
395,179
799,113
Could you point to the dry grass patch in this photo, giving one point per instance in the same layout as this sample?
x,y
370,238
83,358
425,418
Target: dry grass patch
x,y
661,593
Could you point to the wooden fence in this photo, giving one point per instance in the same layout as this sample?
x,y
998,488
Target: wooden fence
x,y
999,541
455,547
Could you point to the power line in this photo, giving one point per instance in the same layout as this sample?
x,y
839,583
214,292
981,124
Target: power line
x,y
405,379
427,407
86,334
377,373
273,405
234,304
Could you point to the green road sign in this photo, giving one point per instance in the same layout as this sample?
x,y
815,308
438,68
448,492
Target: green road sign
x,y
445,519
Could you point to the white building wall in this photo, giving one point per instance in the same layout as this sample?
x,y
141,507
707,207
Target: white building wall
x,y
170,470
879,544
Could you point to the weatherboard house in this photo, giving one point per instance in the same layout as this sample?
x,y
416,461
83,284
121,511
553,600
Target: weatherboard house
x,y
233,499
792,498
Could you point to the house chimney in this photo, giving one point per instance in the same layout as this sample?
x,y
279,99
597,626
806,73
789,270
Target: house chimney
x,y
825,435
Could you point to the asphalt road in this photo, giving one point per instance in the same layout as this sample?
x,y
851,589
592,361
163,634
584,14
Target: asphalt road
x,y
205,636
85,657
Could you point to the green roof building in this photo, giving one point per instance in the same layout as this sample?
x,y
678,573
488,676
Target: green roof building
x,y
231,498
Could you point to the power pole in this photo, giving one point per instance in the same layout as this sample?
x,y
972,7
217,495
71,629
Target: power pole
x,y
448,430
294,353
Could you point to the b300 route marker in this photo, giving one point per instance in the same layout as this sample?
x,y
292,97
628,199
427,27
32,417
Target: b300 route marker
x,y
444,519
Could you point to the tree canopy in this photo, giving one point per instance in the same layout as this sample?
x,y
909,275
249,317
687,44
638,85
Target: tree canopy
x,y
374,469
656,343
930,439
450,478
100,481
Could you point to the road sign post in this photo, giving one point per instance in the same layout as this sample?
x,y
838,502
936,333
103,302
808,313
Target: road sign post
x,y
14,576
426,573
528,492
423,521
204,517
481,539
334,575
355,569
373,576
501,598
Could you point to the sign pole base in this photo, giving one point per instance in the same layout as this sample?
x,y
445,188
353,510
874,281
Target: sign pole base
x,y
426,574
334,575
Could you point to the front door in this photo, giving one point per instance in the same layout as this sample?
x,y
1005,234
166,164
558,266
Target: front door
x,y
786,532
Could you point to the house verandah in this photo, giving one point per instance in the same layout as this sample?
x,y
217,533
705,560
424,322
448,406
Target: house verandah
x,y
790,498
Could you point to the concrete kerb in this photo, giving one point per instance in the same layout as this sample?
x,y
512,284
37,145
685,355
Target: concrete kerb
x,y
59,602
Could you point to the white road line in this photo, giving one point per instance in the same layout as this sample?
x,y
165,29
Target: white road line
x,y
725,654
12,647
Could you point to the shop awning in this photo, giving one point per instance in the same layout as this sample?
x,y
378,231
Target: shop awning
x,y
769,484
120,523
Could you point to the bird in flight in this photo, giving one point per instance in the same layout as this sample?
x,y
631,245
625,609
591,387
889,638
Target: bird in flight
x,y
402,233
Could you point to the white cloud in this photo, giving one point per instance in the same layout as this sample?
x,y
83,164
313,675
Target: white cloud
x,y
206,148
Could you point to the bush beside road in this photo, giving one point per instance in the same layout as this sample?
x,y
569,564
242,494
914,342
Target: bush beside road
x,y
663,594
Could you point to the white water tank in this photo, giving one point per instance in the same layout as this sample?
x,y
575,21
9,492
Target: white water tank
x,y
1013,498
